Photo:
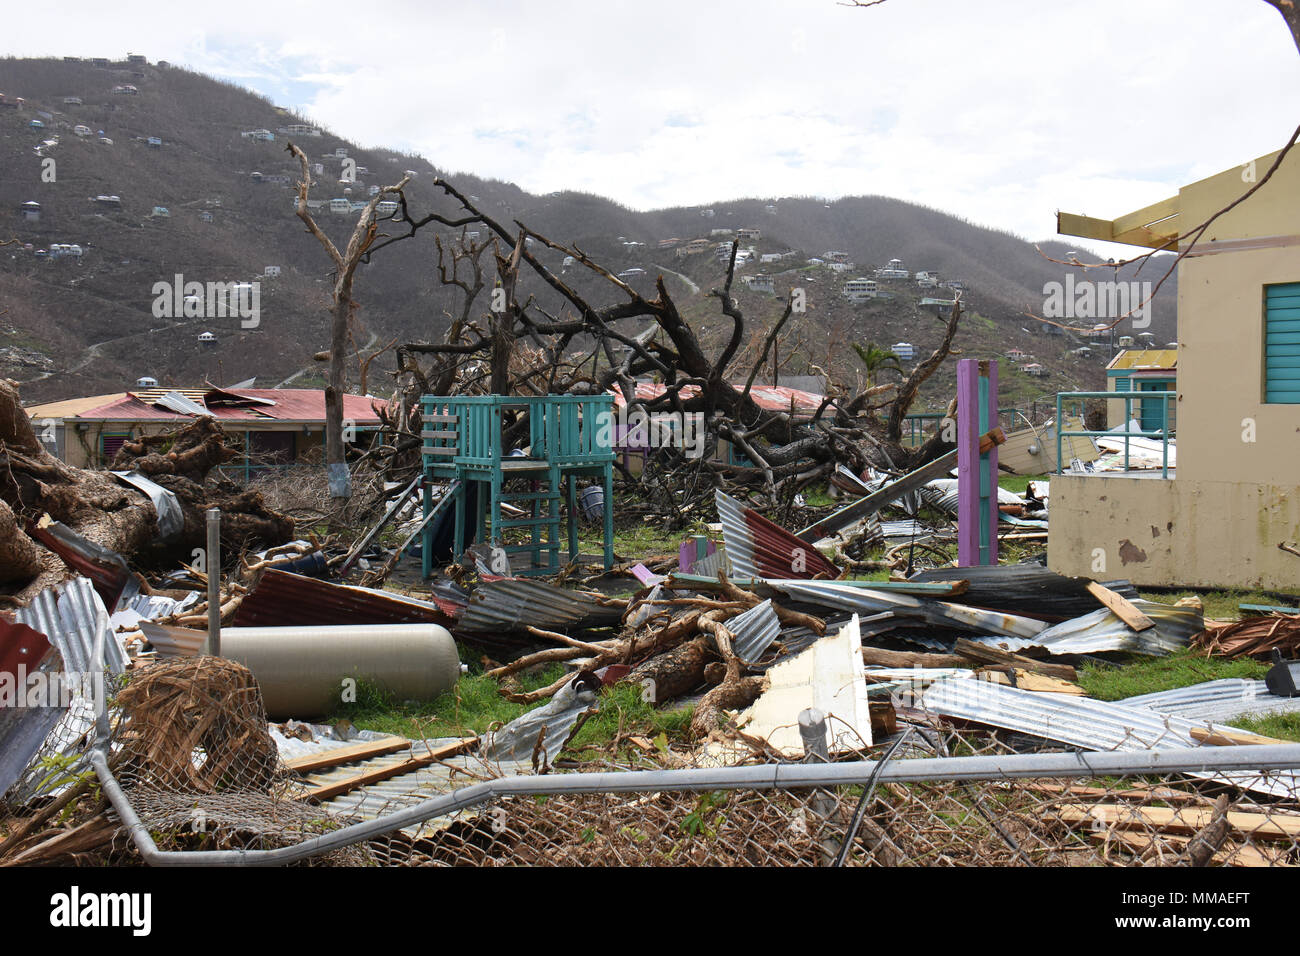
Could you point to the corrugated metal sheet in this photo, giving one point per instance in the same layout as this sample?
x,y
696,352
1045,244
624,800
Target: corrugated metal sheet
x,y
71,616
757,548
511,604
176,402
552,724
1079,722
1103,631
755,631
1216,700
1026,589
869,601
291,747
281,599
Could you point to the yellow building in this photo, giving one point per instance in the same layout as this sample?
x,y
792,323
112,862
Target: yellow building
x,y
1142,370
1235,495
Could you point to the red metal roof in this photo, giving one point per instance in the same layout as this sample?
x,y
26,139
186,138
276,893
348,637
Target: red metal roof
x,y
290,405
775,398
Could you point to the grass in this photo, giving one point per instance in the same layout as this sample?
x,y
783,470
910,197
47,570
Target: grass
x,y
475,706
1219,605
472,707
1147,675
1018,483
1282,726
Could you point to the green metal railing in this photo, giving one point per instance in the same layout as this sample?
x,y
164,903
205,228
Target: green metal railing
x,y
1128,398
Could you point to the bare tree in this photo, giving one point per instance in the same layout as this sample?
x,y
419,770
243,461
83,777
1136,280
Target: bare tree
x,y
364,234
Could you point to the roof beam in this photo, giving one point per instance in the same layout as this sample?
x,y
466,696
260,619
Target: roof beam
x,y
1155,226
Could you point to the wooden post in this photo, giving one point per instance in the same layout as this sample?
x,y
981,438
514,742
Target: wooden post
x,y
977,474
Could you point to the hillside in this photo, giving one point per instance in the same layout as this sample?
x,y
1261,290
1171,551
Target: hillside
x,y
85,326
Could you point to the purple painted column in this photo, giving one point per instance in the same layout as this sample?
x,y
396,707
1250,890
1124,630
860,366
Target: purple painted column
x,y
977,475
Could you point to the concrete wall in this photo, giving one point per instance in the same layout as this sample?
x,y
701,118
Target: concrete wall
x,y
1176,532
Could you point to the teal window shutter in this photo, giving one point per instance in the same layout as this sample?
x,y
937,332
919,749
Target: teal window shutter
x,y
1282,343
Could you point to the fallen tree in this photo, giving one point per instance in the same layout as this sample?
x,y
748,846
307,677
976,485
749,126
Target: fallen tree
x,y
97,506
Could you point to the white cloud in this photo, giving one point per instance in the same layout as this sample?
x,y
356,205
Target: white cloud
x,y
999,111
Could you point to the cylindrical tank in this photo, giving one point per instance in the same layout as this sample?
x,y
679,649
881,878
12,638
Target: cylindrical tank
x,y
303,670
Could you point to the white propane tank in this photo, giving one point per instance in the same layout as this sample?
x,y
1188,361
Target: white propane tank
x,y
302,670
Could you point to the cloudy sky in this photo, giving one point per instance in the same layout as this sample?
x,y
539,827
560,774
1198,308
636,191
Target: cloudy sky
x,y
1000,111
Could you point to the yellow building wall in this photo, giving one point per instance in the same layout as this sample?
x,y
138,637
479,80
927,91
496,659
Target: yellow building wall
x,y
1178,532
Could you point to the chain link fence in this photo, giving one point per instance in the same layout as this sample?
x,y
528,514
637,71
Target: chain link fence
x,y
180,769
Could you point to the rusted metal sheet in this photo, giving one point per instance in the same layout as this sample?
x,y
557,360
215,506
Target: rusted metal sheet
x,y
511,604
757,548
281,599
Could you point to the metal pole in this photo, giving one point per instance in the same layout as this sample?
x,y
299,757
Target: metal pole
x,y
812,728
213,570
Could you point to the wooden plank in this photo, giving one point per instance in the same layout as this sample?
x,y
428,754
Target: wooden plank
x,y
938,468
440,435
880,657
1121,607
361,751
441,419
1233,738
1039,683
1174,846
1182,820
448,452
988,654
330,790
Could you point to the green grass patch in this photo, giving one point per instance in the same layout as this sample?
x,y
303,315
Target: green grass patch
x,y
1220,605
475,706
1282,726
471,707
1144,675
1018,484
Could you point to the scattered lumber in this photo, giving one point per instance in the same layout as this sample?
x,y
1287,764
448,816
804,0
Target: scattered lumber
x,y
988,654
1120,606
1187,821
361,751
330,790
1233,738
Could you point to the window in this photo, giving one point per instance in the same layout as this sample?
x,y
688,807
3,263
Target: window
x,y
1282,344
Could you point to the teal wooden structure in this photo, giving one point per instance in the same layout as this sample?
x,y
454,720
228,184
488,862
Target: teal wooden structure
x,y
569,436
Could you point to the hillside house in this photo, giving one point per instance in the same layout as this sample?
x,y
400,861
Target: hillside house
x,y
761,283
696,246
927,280
137,59
834,256
1017,355
125,89
82,131
279,427
206,216
1034,369
161,212
1142,370
340,205
207,338
108,200
72,101
258,135
300,129
154,142
860,289
271,272
839,266
146,381
770,257
905,351
1218,519
668,243
31,211
36,124
894,270
749,234
386,208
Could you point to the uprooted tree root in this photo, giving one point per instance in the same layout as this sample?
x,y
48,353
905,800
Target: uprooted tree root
x,y
196,725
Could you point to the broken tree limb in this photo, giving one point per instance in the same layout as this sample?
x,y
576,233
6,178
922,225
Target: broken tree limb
x,y
988,654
